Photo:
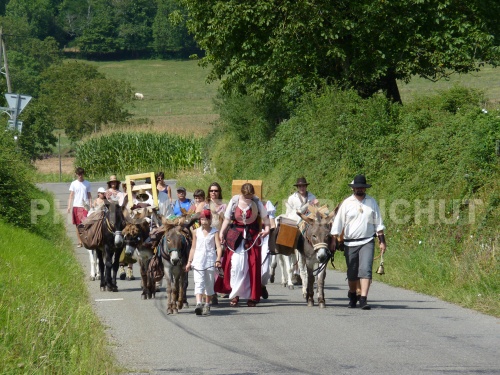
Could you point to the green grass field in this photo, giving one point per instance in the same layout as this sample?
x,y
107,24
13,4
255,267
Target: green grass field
x,y
176,95
487,80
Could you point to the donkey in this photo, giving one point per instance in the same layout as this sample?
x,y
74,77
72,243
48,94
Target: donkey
x,y
313,246
108,253
175,246
135,234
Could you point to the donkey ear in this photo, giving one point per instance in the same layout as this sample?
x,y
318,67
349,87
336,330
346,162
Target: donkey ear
x,y
308,220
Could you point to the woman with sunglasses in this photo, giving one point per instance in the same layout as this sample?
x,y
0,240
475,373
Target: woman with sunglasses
x,y
217,207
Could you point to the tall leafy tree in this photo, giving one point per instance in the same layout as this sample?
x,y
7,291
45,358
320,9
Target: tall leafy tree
x,y
278,49
100,32
41,15
135,19
81,100
169,28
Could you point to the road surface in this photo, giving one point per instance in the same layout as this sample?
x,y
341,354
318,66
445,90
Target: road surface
x,y
404,332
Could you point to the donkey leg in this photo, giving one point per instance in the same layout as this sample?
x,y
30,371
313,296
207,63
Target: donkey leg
x,y
289,261
168,288
181,291
310,287
321,288
144,279
274,264
101,270
92,265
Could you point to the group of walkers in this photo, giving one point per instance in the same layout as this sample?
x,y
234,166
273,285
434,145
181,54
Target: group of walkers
x,y
242,228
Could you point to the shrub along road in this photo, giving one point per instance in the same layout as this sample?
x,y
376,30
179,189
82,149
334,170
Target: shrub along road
x,y
404,333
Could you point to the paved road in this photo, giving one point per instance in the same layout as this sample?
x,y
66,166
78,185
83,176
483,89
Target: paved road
x,y
404,333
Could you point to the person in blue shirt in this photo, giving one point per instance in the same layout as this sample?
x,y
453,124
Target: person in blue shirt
x,y
182,202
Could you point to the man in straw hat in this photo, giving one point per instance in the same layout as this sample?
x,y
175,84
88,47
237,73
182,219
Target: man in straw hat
x,y
359,217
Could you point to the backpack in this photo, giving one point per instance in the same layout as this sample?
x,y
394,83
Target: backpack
x,y
91,230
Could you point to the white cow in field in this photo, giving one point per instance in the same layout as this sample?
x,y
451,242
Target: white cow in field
x,y
139,96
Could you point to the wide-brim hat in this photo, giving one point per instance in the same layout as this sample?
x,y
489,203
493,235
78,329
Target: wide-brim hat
x,y
359,182
301,181
113,179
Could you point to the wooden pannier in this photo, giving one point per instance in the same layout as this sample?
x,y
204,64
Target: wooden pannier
x,y
237,184
288,235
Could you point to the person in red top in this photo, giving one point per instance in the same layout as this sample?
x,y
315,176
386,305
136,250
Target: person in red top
x,y
242,261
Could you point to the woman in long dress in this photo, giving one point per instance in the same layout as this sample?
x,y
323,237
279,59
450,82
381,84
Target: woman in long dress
x,y
245,214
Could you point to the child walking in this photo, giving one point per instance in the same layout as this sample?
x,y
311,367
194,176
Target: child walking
x,y
204,257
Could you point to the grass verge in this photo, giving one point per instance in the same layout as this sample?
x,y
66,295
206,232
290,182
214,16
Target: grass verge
x,y
47,323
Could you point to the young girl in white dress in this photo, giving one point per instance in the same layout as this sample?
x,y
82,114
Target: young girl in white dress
x,y
204,258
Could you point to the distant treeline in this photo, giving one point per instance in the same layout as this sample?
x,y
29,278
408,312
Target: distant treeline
x,y
103,29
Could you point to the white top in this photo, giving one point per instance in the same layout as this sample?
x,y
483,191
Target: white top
x,y
295,203
205,253
164,205
81,192
360,220
271,210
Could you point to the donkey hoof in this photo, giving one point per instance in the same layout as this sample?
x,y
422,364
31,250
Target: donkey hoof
x,y
304,295
103,289
115,289
271,280
170,311
143,296
283,285
321,305
310,303
291,287
109,288
175,311
92,278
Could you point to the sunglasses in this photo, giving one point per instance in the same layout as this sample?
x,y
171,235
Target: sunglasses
x,y
213,191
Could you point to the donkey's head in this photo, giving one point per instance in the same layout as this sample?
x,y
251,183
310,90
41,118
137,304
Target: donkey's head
x,y
176,245
318,232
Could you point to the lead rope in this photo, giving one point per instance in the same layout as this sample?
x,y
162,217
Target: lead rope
x,y
329,256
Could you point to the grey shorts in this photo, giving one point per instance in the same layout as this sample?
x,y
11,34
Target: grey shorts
x,y
359,261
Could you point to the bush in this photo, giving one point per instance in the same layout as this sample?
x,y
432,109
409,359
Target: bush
x,y
18,193
437,154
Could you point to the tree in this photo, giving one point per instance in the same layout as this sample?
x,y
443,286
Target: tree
x,y
135,19
37,136
169,28
278,49
81,100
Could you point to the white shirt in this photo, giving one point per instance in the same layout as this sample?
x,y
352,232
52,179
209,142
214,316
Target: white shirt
x,y
81,192
359,220
295,203
205,253
271,210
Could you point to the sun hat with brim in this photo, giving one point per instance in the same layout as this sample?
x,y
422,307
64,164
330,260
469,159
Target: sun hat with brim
x,y
301,181
101,190
359,182
113,179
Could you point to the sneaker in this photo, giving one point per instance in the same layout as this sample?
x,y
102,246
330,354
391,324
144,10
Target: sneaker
x,y
363,304
206,310
353,299
122,273
199,309
157,286
130,275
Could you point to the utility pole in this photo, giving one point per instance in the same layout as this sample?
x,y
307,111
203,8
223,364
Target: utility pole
x,y
5,63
